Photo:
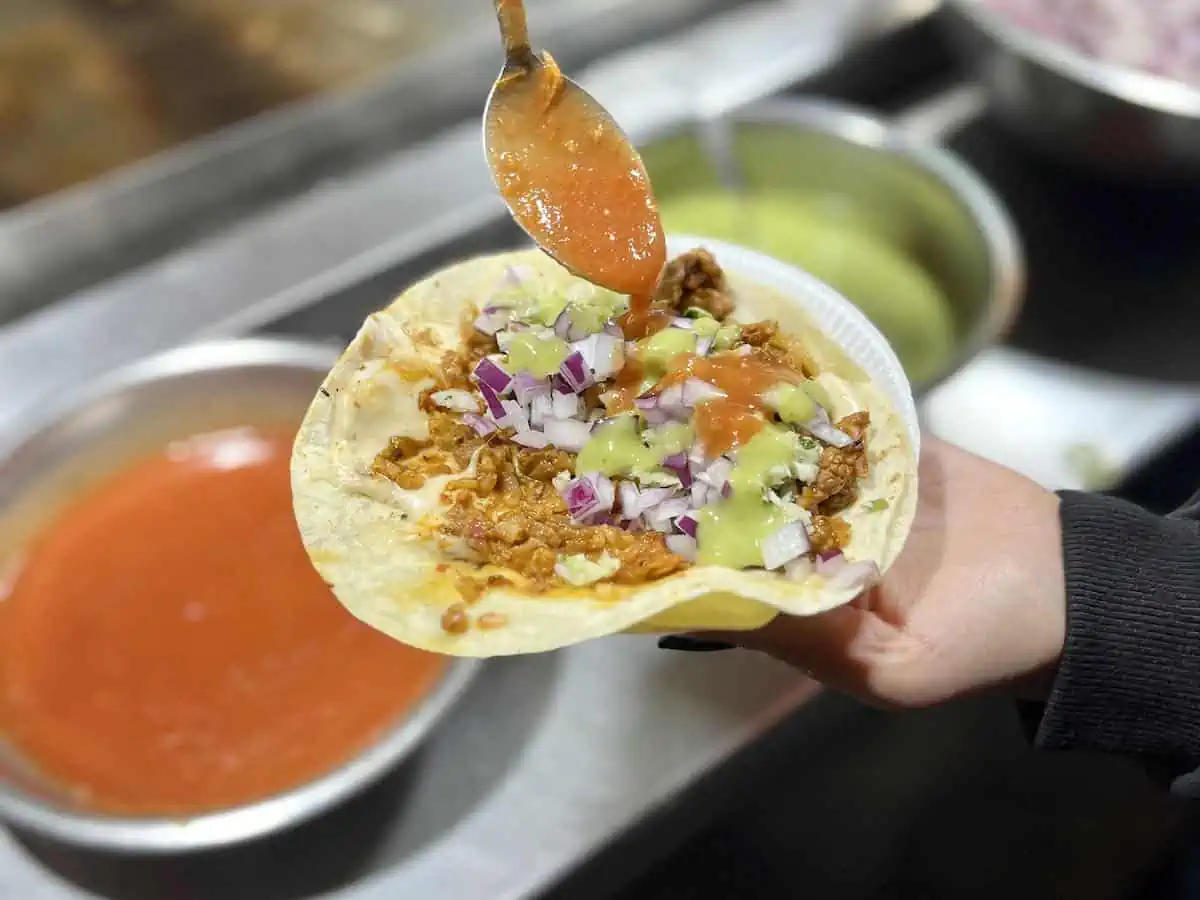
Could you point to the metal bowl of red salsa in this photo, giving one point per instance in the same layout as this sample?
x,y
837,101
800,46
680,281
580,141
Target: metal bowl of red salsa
x,y
174,675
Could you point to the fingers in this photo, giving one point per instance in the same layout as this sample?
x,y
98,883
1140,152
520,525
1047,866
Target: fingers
x,y
821,646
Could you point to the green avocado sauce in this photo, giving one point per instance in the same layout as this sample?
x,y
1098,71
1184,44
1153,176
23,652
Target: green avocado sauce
x,y
616,447
531,353
731,531
657,351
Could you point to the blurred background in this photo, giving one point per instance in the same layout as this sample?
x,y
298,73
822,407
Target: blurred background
x,y
1010,190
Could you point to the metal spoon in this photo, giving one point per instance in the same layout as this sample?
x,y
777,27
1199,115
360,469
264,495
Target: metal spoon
x,y
569,175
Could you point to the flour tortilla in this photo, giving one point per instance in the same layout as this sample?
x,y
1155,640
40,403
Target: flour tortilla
x,y
374,543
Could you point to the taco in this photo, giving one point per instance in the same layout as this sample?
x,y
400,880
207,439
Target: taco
x,y
509,460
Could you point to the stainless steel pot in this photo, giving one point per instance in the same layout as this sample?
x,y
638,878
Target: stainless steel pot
x,y
925,202
1099,117
204,386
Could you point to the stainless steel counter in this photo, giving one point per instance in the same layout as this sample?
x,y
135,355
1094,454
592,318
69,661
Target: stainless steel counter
x,y
546,759
550,757
65,241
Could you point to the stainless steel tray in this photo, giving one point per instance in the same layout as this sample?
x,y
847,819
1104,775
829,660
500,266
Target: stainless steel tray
x,y
550,758
53,246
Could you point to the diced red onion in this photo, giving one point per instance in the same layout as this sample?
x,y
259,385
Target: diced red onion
x,y
495,407
662,516
699,494
697,391
526,385
744,350
564,406
481,425
492,320
514,416
820,427
533,439
575,372
489,374
602,353
541,410
671,399
676,461
716,473
562,325
703,346
682,322
567,434
825,432
505,338
726,489
830,562
682,545
610,355
678,464
858,575
687,524
615,330
784,545
629,496
645,500
651,412
799,568
605,490
583,499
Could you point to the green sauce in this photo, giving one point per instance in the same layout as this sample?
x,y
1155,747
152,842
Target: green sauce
x,y
792,403
540,355
731,531
817,393
593,312
616,448
706,326
876,274
726,337
657,351
668,440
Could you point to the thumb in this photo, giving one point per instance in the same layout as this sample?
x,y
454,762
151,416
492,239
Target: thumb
x,y
834,647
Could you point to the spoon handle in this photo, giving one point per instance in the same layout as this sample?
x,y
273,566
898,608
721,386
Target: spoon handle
x,y
511,16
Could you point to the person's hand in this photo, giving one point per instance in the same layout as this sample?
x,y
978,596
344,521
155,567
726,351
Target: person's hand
x,y
975,601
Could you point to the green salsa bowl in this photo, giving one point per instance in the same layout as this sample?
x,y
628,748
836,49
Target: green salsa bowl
x,y
899,226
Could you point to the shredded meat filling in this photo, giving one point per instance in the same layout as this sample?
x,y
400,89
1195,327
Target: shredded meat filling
x,y
508,511
829,533
840,468
694,279
410,462
758,334
526,528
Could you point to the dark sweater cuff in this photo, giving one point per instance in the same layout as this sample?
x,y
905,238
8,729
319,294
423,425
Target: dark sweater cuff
x,y
1129,680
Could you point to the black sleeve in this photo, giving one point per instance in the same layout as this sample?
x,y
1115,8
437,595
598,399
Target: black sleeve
x,y
1129,679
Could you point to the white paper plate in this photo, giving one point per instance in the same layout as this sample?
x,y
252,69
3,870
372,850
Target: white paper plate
x,y
837,317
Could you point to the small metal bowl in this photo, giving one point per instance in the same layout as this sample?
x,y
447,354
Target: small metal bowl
x,y
201,387
1099,117
928,205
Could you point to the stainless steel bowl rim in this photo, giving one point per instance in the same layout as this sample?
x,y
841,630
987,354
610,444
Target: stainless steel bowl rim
x,y
160,835
1005,253
1144,89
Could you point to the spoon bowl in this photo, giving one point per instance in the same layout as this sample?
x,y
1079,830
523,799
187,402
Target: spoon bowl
x,y
569,175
